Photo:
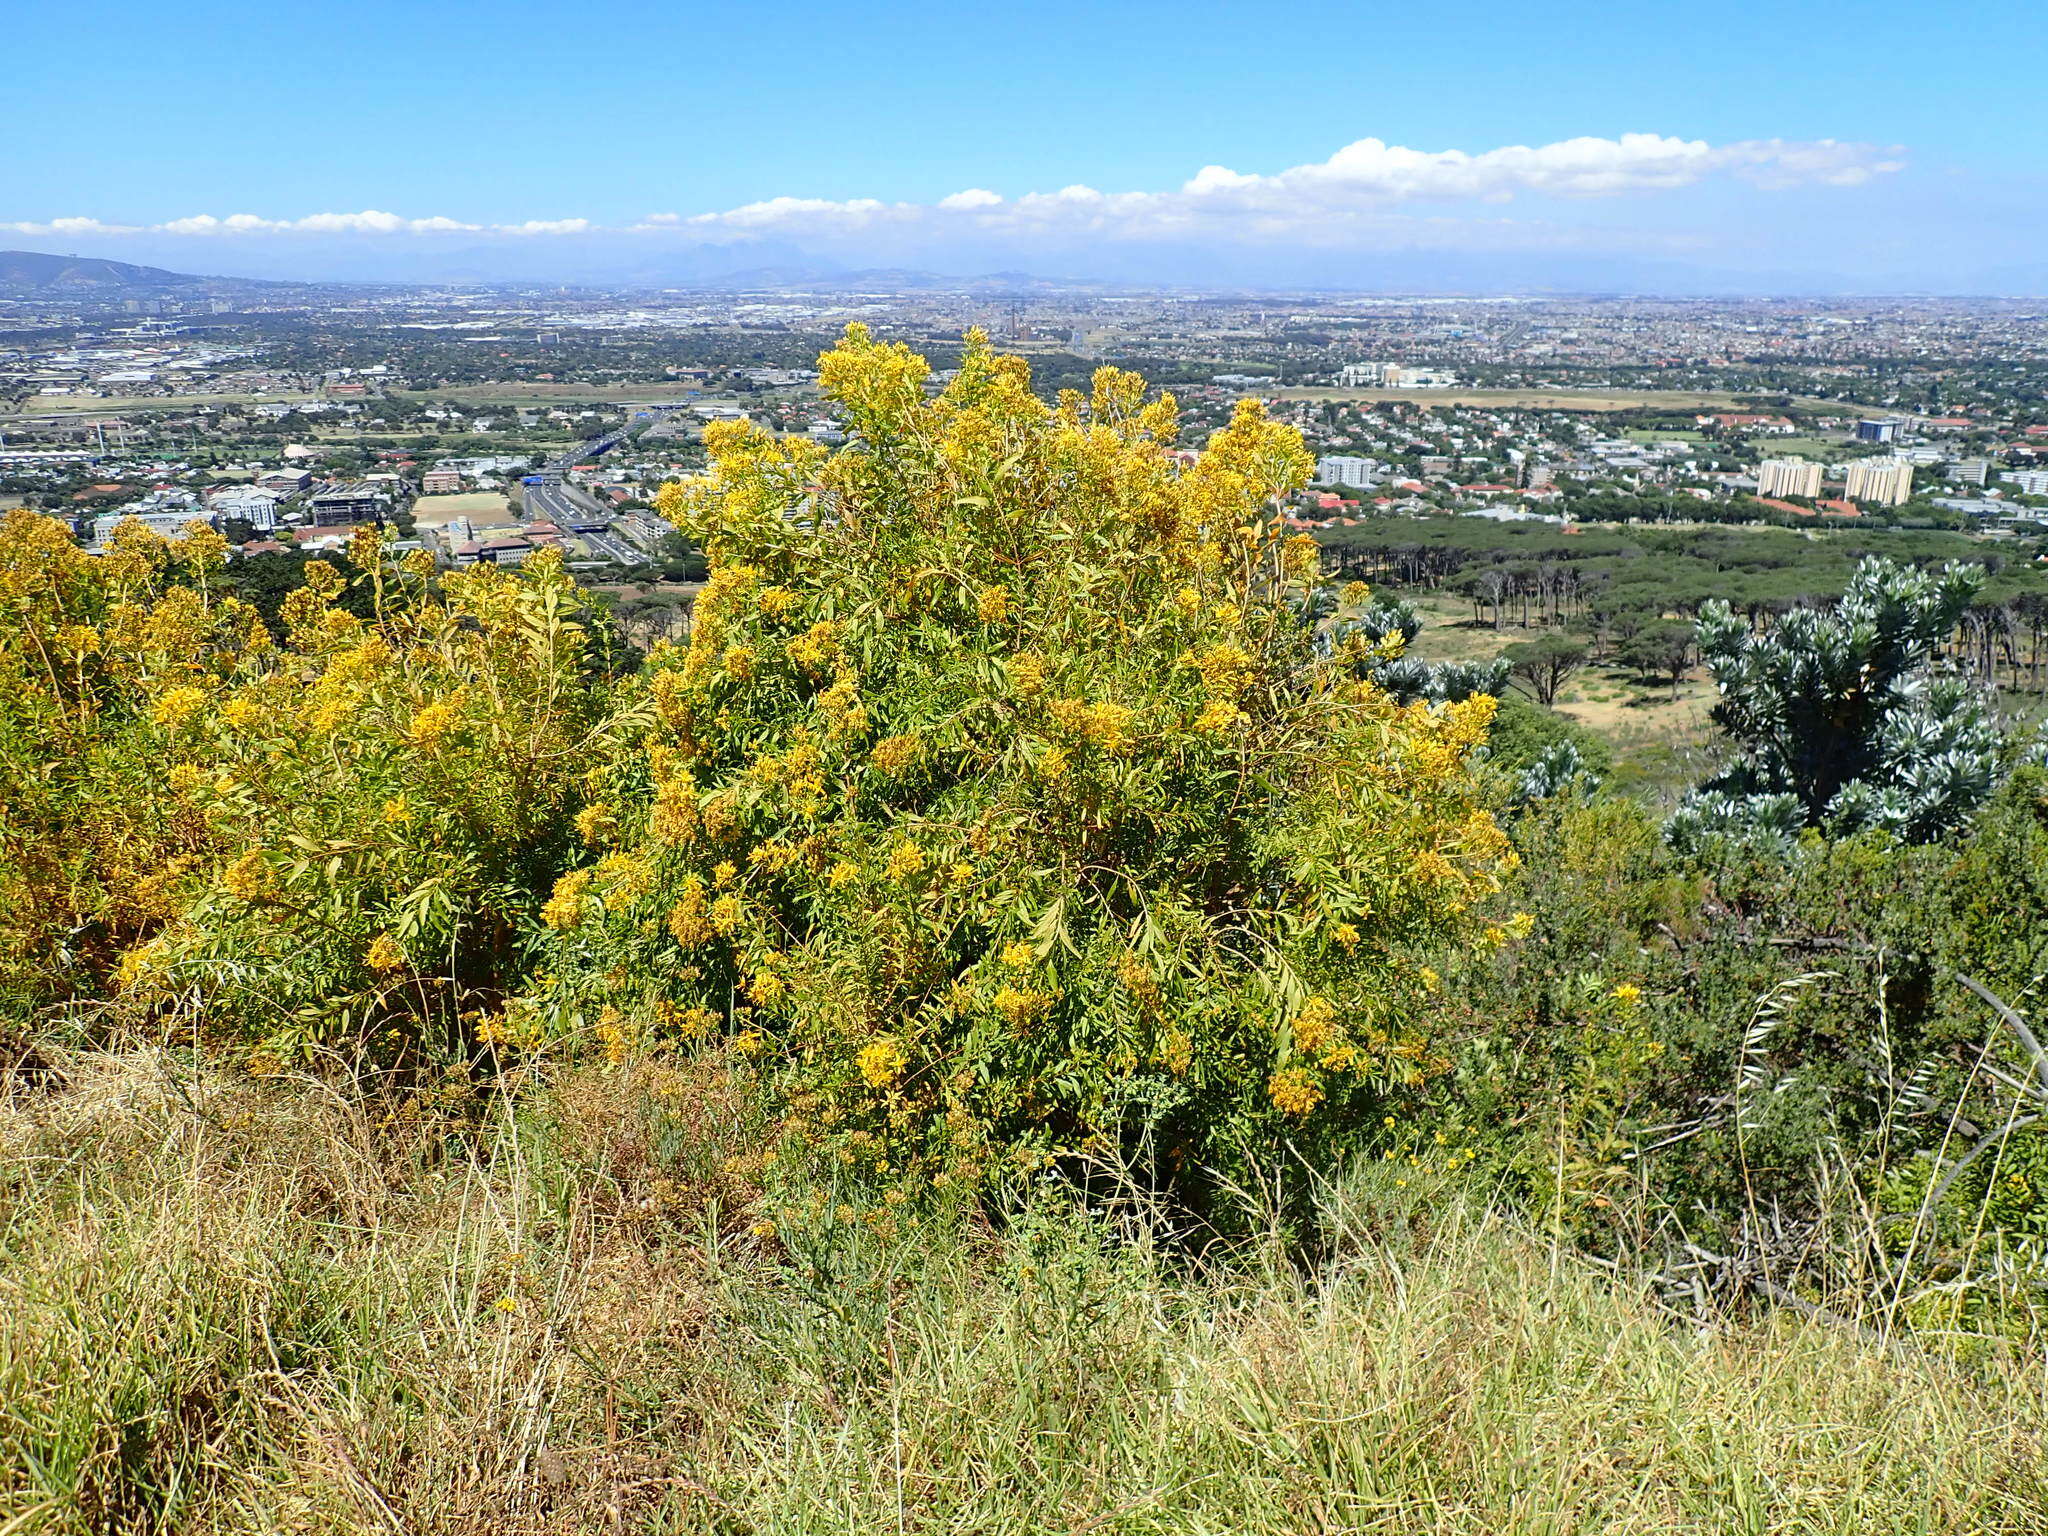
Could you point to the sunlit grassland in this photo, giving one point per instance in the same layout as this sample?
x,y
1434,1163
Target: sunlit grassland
x,y
257,1306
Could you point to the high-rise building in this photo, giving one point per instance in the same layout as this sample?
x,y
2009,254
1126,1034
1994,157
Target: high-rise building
x,y
1788,477
2031,482
1888,482
1874,429
1344,469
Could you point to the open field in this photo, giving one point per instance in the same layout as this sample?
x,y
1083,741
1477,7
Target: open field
x,y
438,511
1806,447
1546,399
546,394
40,407
1660,739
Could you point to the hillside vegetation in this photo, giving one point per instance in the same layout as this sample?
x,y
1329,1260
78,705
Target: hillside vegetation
x,y
1042,1015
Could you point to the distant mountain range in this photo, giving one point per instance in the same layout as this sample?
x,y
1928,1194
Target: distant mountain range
x,y
34,269
41,271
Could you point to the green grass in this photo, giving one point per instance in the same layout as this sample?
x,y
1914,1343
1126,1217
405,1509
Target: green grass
x,y
142,405
260,1306
1825,449
1662,744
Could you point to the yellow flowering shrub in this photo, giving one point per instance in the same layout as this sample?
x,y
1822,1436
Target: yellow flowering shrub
x,y
1002,744
340,833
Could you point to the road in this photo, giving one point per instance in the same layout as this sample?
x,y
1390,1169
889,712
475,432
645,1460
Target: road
x,y
565,506
548,499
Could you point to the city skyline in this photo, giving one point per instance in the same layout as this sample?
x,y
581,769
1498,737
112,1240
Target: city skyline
x,y
1200,144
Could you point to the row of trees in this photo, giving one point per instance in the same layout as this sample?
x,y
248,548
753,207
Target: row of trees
x,y
1616,585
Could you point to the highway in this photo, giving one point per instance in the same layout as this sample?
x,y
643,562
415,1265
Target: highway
x,y
551,500
565,506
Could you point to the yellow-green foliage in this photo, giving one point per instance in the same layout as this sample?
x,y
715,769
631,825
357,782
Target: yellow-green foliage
x,y
1002,803
305,837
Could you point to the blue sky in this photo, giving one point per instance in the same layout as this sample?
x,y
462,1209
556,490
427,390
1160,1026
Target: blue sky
x,y
1812,143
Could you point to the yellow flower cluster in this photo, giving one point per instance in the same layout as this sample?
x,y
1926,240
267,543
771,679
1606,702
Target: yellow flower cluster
x,y
687,922
432,724
727,913
815,647
894,754
1226,669
882,1062
178,706
1104,725
1020,1004
564,908
1315,1024
1295,1091
905,860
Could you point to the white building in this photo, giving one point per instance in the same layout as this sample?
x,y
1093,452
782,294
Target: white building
x,y
1888,482
1344,469
252,504
1419,378
170,524
1788,477
2029,482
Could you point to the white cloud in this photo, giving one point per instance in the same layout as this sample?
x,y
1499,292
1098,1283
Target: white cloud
x,y
369,222
1345,199
545,227
72,227
1354,187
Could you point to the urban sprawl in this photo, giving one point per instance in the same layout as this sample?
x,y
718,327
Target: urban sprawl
x,y
484,424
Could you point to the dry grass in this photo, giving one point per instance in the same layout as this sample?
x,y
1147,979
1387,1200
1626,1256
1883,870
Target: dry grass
x,y
235,1306
481,506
